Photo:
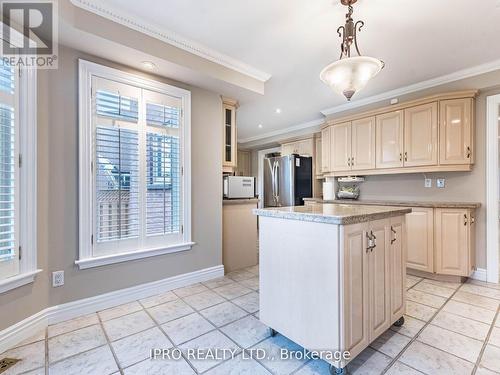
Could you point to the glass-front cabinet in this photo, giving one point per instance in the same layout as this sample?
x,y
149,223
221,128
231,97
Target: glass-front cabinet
x,y
229,151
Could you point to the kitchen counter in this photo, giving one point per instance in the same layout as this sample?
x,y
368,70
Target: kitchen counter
x,y
399,203
340,214
240,201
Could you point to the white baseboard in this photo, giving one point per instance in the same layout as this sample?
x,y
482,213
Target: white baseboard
x,y
26,328
479,274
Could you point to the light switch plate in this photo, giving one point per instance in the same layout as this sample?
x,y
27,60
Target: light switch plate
x,y
428,182
440,182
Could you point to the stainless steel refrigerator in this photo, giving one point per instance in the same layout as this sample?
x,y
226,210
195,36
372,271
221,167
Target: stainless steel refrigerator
x,y
287,180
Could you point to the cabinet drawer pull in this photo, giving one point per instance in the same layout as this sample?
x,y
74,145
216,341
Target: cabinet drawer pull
x,y
465,219
395,238
400,156
468,154
348,162
406,156
352,161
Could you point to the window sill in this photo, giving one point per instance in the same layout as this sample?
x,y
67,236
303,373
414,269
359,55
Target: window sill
x,y
124,257
18,280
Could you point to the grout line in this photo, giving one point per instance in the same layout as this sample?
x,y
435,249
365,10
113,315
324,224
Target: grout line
x,y
108,341
396,358
483,348
46,367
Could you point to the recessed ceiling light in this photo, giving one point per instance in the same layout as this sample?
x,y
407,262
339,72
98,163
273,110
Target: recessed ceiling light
x,y
278,110
148,65
260,126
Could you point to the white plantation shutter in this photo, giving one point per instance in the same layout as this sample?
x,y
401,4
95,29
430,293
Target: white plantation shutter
x,y
9,172
137,173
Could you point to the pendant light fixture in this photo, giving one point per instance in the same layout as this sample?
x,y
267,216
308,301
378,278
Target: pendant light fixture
x,y
349,74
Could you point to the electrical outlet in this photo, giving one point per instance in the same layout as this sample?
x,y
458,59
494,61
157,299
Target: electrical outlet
x,y
440,182
57,278
428,182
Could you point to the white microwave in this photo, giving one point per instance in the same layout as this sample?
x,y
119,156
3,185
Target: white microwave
x,y
239,187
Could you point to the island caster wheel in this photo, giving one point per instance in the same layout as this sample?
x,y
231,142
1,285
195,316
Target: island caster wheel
x,y
337,371
399,322
272,332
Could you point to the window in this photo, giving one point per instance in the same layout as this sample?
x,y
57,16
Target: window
x,y
17,177
134,167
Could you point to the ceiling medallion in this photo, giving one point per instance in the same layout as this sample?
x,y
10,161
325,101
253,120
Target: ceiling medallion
x,y
349,74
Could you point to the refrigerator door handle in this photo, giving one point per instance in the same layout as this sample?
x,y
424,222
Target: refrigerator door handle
x,y
277,179
273,181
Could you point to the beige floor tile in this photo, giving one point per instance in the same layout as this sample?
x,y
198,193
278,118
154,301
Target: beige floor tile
x,y
411,282
213,340
38,371
240,275
495,337
96,361
469,311
451,342
465,326
484,371
497,322
437,290
170,311
476,300
425,298
127,325
223,313
117,311
253,269
187,328
445,284
252,283
390,343
190,290
246,332
160,367
491,358
368,362
137,347
410,328
481,290
239,366
39,336
216,283
419,311
483,283
273,346
249,302
75,342
314,367
158,299
32,356
232,291
73,324
203,300
433,361
400,368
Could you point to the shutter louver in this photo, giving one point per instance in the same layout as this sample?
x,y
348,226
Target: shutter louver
x,y
117,180
162,115
6,78
7,183
116,106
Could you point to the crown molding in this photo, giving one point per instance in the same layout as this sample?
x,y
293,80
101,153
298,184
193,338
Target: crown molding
x,y
171,38
291,129
447,78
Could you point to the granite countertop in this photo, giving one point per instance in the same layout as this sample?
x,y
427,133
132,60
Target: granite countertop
x,y
241,201
399,203
333,213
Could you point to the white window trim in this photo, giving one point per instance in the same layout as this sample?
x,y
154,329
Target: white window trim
x,y
28,175
87,70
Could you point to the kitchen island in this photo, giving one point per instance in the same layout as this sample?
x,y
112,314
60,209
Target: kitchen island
x,y
332,277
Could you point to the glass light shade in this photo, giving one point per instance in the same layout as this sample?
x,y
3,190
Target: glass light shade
x,y
349,75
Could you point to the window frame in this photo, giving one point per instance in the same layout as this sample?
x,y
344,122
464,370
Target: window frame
x,y
27,223
88,70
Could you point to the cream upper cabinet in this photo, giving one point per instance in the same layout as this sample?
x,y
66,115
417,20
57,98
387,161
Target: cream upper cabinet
x,y
287,149
306,147
453,248
229,132
325,149
363,144
318,156
389,140
379,277
340,147
455,130
397,251
420,239
421,135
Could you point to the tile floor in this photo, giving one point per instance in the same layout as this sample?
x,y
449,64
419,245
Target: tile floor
x,y
449,329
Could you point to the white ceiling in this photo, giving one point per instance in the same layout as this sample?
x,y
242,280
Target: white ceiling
x,y
292,40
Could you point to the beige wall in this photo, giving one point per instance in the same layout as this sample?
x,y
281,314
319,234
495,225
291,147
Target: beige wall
x,y
58,199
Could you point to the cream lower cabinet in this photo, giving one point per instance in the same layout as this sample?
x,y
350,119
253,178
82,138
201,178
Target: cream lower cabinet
x,y
374,280
454,248
441,240
420,239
